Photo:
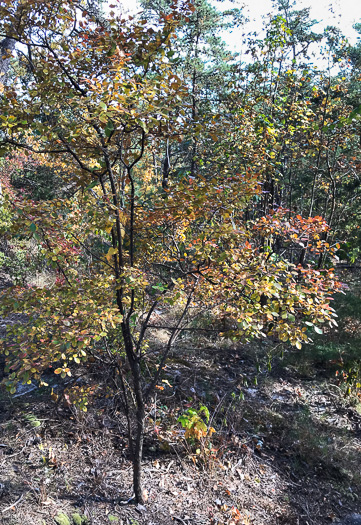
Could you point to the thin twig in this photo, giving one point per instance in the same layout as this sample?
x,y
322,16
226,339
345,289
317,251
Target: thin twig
x,y
183,329
179,519
13,504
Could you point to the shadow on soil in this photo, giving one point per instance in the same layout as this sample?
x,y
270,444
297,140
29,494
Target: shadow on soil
x,y
286,448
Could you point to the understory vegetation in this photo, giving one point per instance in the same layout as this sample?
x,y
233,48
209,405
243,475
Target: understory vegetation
x,y
180,266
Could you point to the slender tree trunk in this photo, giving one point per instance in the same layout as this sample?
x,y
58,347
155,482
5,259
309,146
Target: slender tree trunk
x,y
138,444
194,104
166,167
138,434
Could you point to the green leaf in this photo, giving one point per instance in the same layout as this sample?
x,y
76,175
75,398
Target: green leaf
x,y
109,128
92,185
354,114
112,49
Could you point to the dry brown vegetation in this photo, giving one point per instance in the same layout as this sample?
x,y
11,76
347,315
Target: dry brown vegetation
x,y
287,453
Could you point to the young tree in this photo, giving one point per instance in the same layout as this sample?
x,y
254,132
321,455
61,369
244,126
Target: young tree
x,y
102,96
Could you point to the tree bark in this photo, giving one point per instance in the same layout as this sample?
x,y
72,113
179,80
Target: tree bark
x,y
139,437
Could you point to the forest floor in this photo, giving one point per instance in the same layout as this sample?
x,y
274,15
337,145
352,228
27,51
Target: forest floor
x,y
287,446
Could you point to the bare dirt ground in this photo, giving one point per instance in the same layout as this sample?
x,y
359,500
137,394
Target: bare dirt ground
x,y
286,450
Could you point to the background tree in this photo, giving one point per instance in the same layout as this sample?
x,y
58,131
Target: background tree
x,y
204,63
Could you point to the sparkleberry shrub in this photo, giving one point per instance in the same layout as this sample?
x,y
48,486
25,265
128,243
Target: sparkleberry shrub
x,y
102,103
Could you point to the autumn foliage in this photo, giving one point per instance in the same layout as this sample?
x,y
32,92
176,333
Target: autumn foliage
x,y
102,102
